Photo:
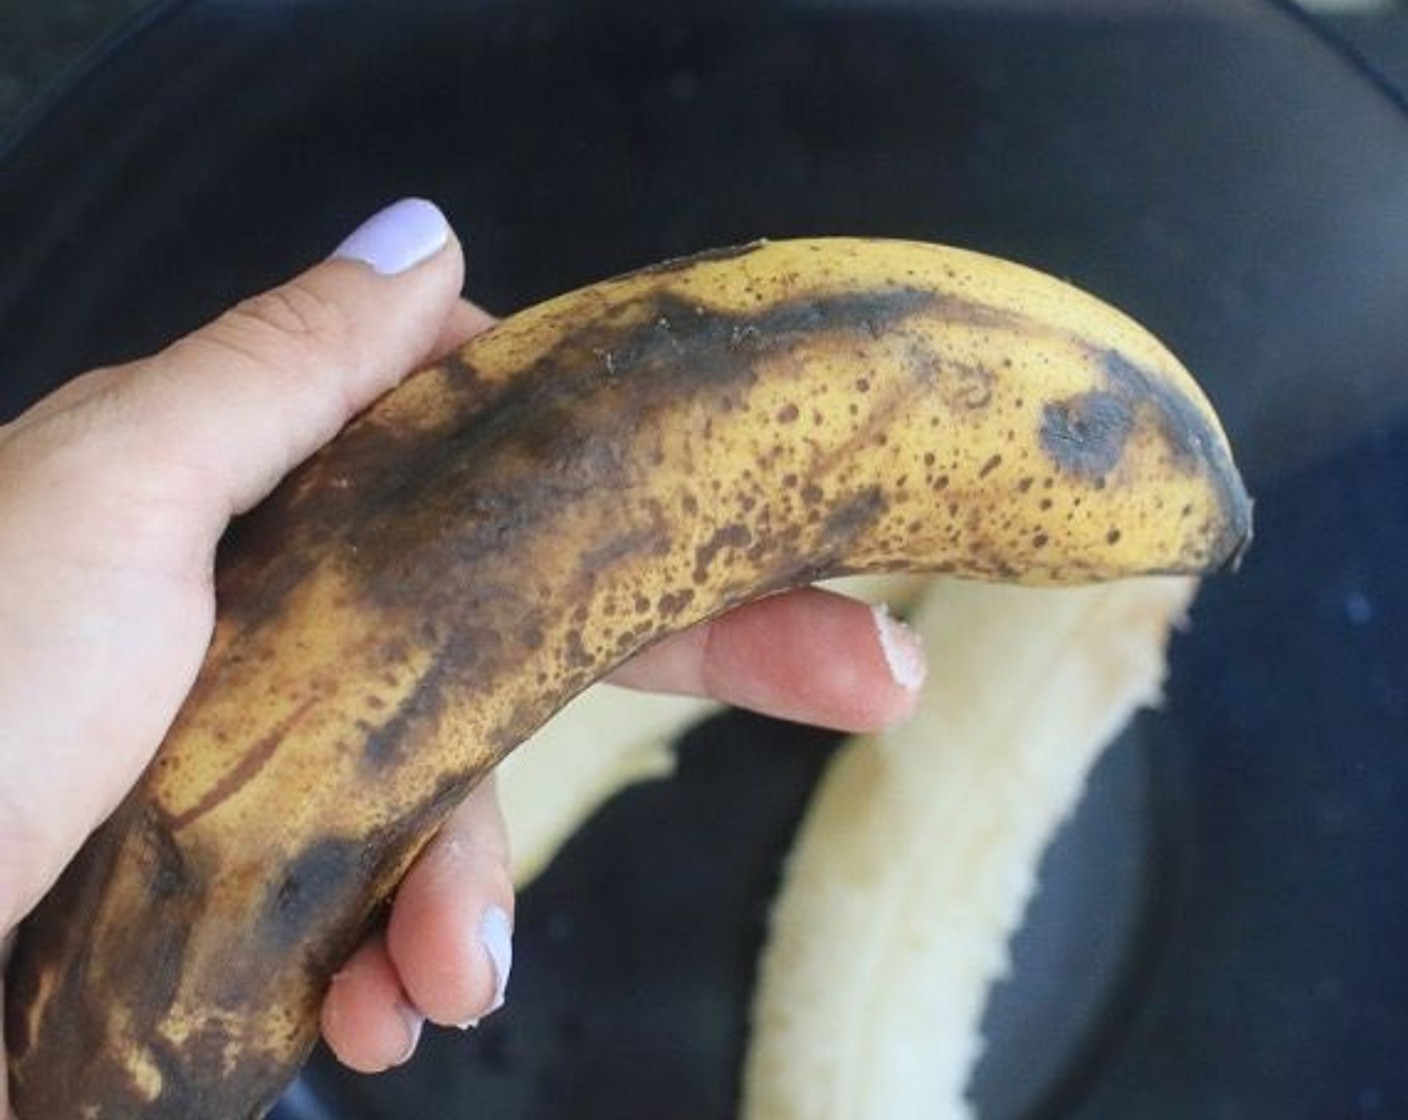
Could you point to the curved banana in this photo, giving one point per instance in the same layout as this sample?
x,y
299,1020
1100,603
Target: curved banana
x,y
592,474
919,850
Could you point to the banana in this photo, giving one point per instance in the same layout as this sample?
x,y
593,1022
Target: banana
x,y
592,474
919,849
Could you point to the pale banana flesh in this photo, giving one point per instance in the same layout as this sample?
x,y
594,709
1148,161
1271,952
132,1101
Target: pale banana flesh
x,y
594,473
919,850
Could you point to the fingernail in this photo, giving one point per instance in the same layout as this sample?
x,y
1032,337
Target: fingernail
x,y
904,654
397,238
414,1021
496,935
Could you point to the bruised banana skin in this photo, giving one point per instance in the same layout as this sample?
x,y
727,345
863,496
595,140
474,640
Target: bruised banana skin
x,y
592,474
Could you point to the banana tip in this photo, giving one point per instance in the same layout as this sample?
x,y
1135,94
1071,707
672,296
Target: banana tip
x,y
1239,536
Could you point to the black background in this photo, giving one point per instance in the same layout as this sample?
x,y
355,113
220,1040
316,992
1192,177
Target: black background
x,y
1213,167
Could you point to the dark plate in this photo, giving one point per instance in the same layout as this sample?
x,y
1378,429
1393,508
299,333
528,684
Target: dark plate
x,y
1212,166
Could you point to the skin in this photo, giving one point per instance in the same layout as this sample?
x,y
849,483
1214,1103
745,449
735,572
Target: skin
x,y
114,492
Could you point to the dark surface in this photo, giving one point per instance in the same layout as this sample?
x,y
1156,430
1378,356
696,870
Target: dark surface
x,y
43,42
1216,170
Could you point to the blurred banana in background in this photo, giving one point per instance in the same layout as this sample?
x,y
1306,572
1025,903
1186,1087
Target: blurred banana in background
x,y
919,851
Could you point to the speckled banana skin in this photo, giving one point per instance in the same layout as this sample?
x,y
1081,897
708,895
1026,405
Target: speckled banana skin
x,y
592,474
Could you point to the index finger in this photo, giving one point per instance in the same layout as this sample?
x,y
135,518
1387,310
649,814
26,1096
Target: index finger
x,y
808,655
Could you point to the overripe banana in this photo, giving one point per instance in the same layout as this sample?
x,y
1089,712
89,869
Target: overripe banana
x,y
919,850
590,475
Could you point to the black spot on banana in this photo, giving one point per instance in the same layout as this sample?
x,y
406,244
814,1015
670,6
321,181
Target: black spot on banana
x,y
499,532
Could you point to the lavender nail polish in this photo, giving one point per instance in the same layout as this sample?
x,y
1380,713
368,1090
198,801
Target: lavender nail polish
x,y
496,935
397,238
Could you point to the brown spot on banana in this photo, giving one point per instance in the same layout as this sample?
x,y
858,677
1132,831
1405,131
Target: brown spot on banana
x,y
500,532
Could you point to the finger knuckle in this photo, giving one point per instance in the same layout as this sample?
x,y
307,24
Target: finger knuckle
x,y
298,309
268,328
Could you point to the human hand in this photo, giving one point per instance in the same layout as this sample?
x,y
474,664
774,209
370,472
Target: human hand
x,y
114,492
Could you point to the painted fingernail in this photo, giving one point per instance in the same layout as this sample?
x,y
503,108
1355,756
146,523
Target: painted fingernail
x,y
414,1021
397,238
496,935
904,655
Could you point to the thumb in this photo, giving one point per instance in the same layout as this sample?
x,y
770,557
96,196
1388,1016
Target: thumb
x,y
227,411
115,490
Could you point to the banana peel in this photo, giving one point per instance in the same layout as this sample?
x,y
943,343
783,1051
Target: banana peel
x,y
502,530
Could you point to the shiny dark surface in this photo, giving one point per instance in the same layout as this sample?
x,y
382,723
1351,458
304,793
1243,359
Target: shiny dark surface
x,y
1209,165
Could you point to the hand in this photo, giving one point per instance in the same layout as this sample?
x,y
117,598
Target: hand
x,y
114,491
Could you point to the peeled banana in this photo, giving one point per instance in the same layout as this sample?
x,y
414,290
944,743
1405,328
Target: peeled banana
x,y
918,852
592,474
